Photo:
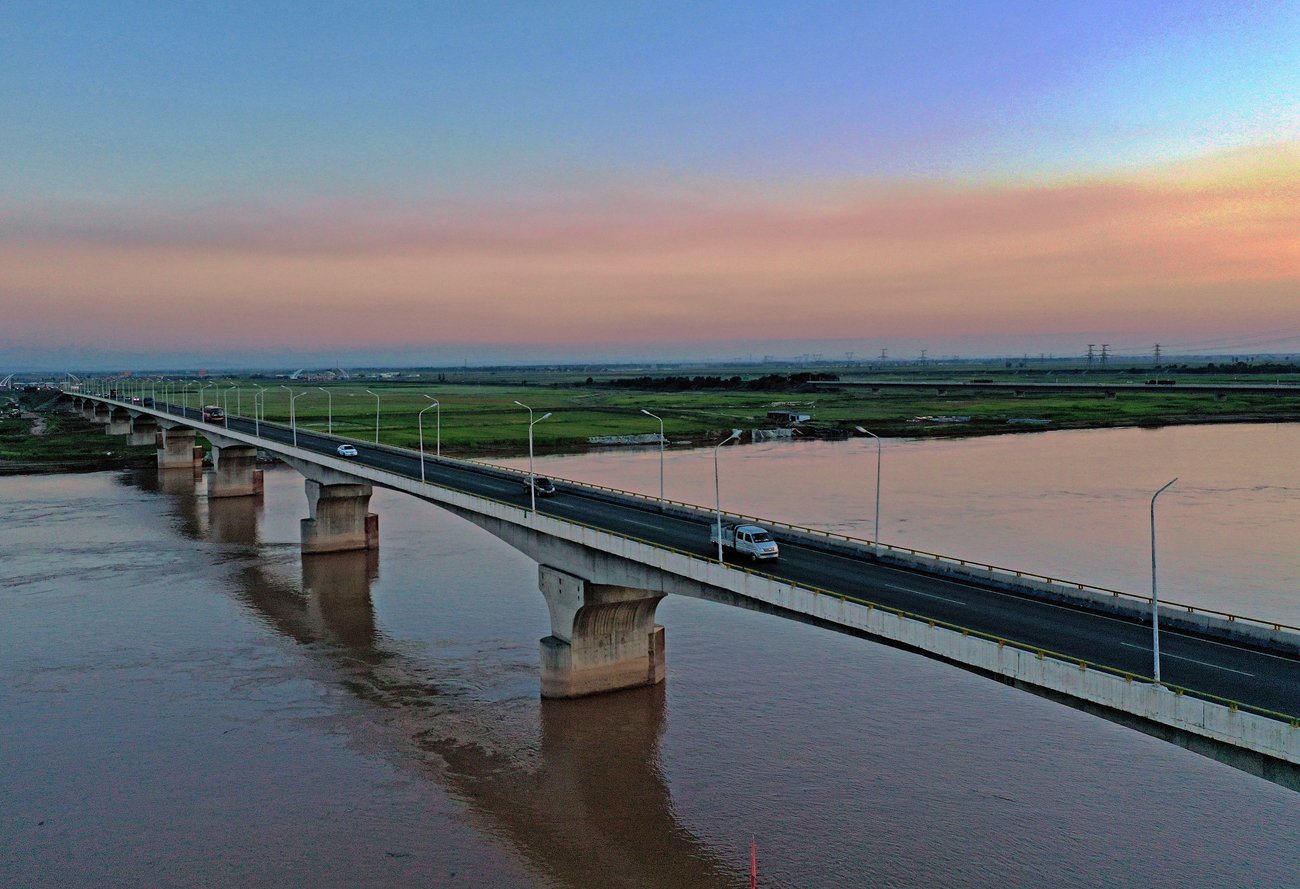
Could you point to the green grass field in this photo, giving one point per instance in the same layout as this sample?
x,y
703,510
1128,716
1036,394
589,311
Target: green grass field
x,y
480,418
484,419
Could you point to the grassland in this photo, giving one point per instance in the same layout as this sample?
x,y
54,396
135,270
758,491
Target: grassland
x,y
480,417
53,441
484,419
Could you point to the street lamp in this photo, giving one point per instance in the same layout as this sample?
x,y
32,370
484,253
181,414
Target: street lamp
x,y
532,479
293,417
257,418
239,403
1155,596
420,423
368,392
661,455
717,487
202,397
225,404
876,540
330,396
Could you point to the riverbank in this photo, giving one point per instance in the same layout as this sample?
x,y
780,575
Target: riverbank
x,y
55,441
482,420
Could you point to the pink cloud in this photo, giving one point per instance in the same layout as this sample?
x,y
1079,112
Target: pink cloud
x,y
1171,251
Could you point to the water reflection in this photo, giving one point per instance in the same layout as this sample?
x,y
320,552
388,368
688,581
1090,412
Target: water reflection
x,y
593,809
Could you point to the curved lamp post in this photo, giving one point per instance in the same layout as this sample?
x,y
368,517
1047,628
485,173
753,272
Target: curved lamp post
x,y
257,417
330,416
420,423
368,392
293,417
1155,596
717,487
532,479
661,455
876,540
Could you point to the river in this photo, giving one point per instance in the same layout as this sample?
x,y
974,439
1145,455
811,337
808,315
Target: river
x,y
187,701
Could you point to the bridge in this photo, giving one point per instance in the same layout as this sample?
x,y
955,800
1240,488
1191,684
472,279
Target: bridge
x,y
607,558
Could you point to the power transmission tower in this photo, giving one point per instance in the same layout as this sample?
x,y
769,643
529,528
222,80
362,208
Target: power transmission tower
x,y
884,354
1091,346
923,356
1104,355
1157,351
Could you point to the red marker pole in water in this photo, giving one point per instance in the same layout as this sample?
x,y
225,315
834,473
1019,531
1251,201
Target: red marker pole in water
x,y
753,863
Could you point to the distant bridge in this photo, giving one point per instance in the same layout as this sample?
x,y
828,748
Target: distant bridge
x,y
606,558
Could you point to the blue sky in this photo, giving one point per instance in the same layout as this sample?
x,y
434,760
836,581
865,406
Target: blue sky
x,y
167,101
549,179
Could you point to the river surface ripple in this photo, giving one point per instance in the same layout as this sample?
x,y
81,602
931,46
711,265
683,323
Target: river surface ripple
x,y
187,701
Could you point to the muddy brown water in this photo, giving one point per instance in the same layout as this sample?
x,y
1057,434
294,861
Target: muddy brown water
x,y
187,701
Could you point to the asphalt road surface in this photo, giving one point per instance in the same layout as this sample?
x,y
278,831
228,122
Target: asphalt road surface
x,y
1214,666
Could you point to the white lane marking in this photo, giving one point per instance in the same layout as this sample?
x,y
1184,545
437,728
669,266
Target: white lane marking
x,y
642,524
903,589
1190,660
1081,608
1071,608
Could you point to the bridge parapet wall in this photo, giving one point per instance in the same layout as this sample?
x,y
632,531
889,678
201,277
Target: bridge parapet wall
x,y
1258,633
1258,742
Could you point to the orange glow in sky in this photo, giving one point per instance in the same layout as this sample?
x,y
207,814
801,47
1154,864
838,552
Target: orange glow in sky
x,y
1192,250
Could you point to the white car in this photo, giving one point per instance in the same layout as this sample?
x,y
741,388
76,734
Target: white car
x,y
347,451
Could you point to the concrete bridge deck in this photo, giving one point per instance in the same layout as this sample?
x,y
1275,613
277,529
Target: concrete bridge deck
x,y
1091,657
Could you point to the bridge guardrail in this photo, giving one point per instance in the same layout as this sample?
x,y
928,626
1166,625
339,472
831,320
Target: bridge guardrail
x,y
952,560
1083,664
1231,617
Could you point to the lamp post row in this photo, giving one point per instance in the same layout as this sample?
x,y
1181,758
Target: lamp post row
x,y
532,477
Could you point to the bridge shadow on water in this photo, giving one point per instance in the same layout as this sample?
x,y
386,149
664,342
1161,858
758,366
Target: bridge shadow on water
x,y
588,807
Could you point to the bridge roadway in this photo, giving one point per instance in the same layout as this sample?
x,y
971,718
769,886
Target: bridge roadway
x,y
1230,670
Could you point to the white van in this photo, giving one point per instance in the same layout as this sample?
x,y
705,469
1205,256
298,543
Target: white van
x,y
750,541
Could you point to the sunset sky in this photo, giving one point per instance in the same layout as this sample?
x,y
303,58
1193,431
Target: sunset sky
x,y
271,184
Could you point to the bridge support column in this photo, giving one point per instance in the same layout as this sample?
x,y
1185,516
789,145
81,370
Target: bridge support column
x,y
119,422
603,638
99,412
144,431
176,449
340,518
234,473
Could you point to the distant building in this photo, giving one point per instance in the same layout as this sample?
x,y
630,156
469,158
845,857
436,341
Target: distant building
x,y
788,418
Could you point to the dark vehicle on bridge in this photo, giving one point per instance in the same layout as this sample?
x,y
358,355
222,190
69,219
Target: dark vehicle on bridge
x,y
542,485
148,402
213,414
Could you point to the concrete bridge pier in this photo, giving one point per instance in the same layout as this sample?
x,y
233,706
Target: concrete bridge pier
x,y
99,412
603,637
235,472
119,422
340,518
87,409
338,509
176,449
144,431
